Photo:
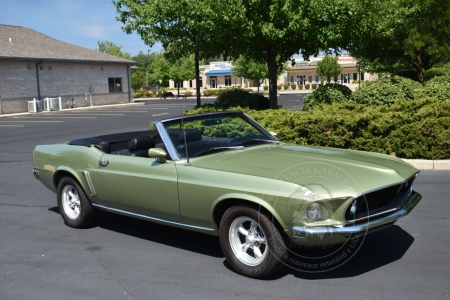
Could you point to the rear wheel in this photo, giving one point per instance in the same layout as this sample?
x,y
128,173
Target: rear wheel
x,y
74,206
251,243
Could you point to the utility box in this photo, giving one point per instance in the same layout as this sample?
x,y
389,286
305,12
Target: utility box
x,y
51,104
35,106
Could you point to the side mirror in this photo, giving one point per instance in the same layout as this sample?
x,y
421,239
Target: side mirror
x,y
157,153
273,133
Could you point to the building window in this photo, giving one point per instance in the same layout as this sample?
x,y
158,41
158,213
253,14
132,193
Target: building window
x,y
292,79
178,84
355,76
227,80
362,76
317,78
190,83
200,81
115,85
310,78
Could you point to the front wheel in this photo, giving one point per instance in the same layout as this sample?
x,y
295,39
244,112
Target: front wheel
x,y
74,206
251,243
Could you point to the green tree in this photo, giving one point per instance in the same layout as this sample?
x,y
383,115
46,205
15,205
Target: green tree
x,y
272,31
183,27
112,49
395,35
138,79
251,69
329,67
180,70
183,69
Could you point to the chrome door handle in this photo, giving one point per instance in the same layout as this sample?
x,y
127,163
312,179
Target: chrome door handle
x,y
103,163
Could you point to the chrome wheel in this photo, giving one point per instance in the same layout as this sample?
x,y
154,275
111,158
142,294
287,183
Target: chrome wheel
x,y
248,241
71,201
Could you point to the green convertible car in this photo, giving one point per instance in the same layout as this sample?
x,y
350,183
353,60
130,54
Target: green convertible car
x,y
224,174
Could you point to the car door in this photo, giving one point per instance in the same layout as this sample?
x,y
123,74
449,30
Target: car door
x,y
140,185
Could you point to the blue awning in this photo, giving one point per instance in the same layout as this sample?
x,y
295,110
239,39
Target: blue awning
x,y
218,72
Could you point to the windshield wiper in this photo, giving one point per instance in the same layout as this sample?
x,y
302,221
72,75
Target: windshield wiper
x,y
258,140
218,149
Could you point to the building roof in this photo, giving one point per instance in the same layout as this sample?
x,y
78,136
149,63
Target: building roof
x,y
21,43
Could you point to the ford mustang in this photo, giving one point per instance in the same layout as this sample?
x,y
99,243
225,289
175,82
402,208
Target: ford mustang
x,y
224,174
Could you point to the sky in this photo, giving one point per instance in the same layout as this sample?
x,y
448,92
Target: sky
x,y
79,22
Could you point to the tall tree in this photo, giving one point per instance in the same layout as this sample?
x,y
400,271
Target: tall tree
x,y
329,67
113,49
396,34
273,31
183,27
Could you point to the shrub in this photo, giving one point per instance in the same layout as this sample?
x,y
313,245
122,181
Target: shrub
x,y
285,86
293,86
279,87
386,91
300,87
307,86
410,129
436,72
314,86
327,94
438,88
266,87
238,97
188,93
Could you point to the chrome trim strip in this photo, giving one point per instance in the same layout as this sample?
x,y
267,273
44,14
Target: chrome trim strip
x,y
167,141
260,126
300,232
87,177
152,218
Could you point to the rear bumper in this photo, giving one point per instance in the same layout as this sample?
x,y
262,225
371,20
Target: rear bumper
x,y
303,234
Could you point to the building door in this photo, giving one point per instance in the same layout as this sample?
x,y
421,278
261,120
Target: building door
x,y
300,79
213,82
345,78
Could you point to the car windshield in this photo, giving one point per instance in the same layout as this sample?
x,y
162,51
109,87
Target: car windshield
x,y
208,134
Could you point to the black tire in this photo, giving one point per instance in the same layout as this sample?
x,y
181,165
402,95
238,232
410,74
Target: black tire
x,y
251,262
73,204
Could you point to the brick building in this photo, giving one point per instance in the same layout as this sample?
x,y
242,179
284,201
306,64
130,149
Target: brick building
x,y
33,65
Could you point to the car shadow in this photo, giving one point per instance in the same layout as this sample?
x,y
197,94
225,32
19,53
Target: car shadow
x,y
378,249
162,234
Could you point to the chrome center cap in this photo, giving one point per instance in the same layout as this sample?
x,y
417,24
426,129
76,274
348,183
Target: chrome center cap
x,y
250,239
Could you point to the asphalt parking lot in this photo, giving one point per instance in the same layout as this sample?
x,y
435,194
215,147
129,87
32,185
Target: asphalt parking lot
x,y
124,258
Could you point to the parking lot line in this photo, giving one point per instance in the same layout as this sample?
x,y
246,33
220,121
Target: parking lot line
x,y
83,114
37,117
159,114
31,121
11,125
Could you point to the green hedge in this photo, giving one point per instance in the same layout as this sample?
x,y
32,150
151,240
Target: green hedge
x,y
327,94
438,87
386,91
408,129
239,97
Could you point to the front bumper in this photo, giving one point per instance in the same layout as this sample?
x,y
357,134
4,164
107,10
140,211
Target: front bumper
x,y
309,234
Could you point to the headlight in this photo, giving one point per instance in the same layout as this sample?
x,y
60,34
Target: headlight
x,y
313,212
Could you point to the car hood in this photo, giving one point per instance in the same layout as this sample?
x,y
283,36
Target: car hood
x,y
304,165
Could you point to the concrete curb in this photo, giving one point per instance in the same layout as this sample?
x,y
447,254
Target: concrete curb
x,y
424,164
69,109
